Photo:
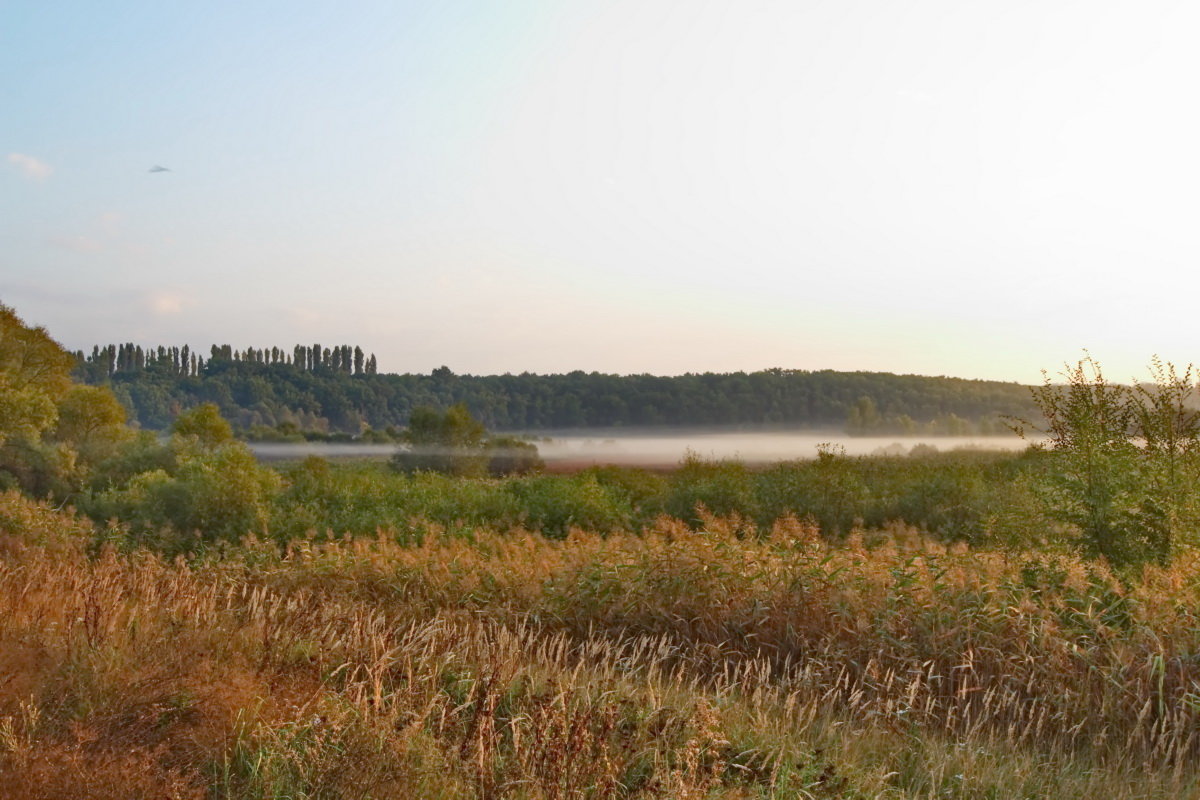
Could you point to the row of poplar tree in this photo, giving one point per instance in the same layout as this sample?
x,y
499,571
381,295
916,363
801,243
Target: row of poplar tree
x,y
112,359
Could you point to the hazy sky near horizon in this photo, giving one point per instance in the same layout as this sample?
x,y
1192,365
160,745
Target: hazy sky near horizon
x,y
979,189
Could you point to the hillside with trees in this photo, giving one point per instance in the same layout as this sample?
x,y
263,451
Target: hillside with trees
x,y
339,389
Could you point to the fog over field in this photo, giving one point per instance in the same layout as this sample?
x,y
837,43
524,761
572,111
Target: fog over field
x,y
665,448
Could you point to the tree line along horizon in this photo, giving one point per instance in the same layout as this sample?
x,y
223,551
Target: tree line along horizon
x,y
310,389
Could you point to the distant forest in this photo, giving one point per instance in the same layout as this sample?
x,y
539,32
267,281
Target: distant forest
x,y
339,389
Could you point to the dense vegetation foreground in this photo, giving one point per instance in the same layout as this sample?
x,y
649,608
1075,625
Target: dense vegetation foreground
x,y
180,621
721,661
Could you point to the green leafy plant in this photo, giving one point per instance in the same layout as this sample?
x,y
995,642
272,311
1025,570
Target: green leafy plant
x,y
1124,460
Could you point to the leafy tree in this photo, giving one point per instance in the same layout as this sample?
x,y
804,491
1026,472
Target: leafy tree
x,y
452,441
34,375
453,428
205,423
34,379
93,420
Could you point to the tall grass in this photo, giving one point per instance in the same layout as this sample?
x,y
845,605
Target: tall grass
x,y
686,661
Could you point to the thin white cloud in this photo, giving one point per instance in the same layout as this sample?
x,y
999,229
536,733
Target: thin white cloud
x,y
164,303
30,166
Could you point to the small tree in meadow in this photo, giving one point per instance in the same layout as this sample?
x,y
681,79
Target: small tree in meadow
x,y
451,442
1123,461
455,443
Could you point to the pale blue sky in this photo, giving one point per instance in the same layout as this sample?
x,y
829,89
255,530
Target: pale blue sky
x,y
936,186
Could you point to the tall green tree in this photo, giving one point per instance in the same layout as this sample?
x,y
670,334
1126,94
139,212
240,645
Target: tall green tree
x,y
35,373
92,422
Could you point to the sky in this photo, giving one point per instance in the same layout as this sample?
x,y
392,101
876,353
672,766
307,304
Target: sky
x,y
941,187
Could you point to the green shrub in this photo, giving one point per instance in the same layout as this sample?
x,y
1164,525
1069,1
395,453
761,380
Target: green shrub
x,y
220,493
508,455
1124,462
554,504
645,491
721,487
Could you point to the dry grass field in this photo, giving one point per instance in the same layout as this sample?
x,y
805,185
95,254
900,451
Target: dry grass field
x,y
676,663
